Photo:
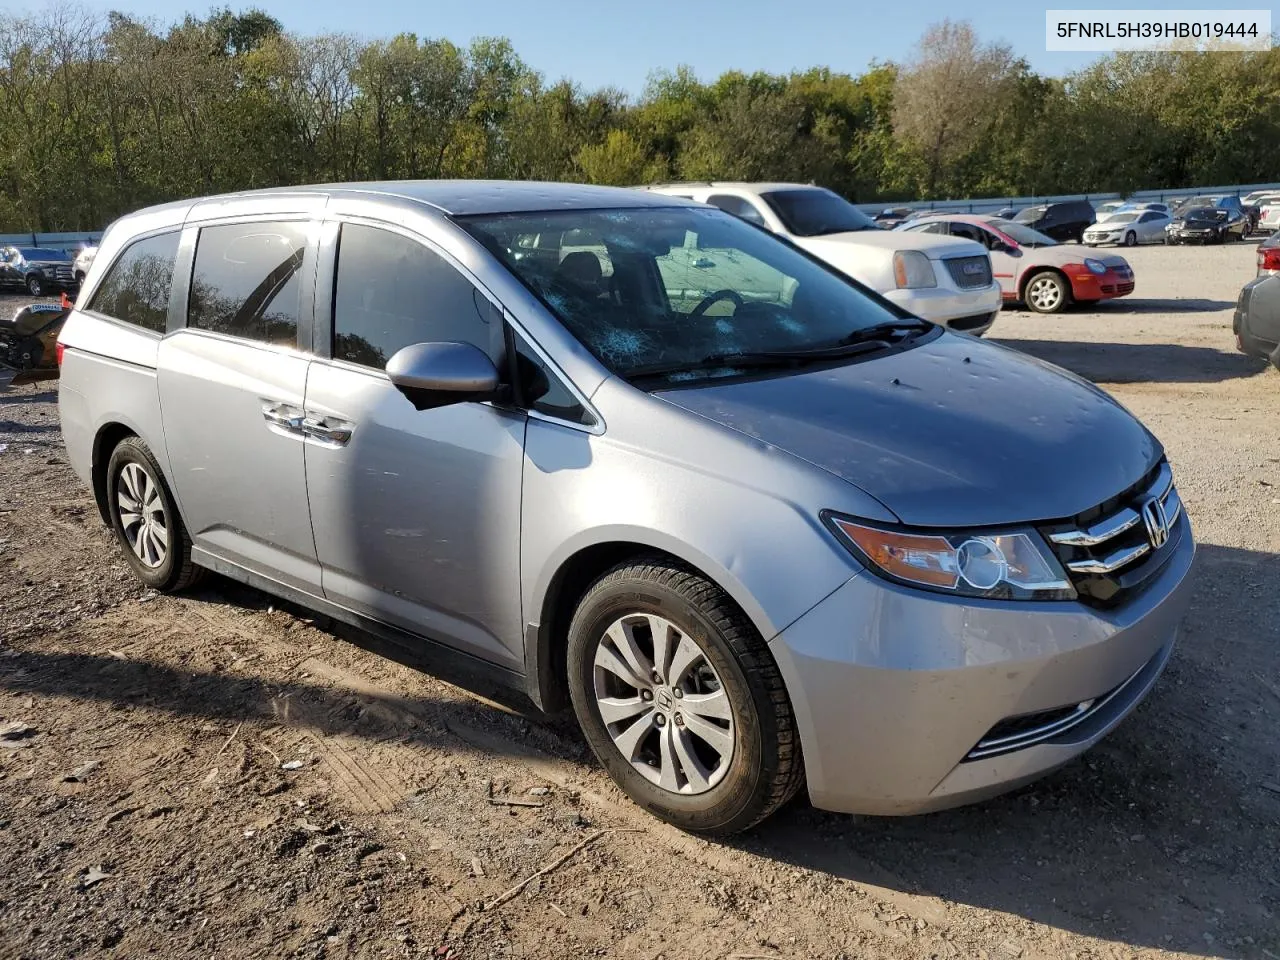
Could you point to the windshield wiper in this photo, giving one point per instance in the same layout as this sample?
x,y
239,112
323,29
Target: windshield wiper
x,y
866,340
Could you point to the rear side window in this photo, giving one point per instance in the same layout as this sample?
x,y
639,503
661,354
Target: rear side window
x,y
136,287
738,207
246,281
392,291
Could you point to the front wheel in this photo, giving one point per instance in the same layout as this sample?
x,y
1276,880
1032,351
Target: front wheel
x,y
1046,292
681,700
35,285
145,519
1130,239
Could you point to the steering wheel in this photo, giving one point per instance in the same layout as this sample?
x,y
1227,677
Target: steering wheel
x,y
711,298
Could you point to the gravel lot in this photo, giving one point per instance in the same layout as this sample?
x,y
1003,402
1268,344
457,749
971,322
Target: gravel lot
x,y
150,806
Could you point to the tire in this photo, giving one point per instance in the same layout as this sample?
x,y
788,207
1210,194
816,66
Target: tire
x,y
159,555
692,785
1046,292
35,285
1130,239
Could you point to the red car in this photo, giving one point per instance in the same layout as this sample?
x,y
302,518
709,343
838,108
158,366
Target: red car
x,y
1033,268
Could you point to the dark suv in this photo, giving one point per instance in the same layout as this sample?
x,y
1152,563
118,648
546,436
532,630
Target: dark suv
x,y
1062,221
37,269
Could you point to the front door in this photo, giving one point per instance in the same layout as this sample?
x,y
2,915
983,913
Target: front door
x,y
416,513
231,389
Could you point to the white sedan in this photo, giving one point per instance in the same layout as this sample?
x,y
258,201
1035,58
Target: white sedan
x,y
1129,228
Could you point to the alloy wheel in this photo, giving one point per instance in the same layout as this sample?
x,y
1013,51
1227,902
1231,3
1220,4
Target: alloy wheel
x,y
1044,294
663,704
142,515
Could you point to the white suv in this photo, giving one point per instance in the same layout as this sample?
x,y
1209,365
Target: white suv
x,y
944,279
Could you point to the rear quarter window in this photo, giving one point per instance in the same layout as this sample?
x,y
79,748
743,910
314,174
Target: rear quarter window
x,y
136,287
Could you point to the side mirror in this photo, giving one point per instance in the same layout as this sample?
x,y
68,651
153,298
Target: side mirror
x,y
439,374
1002,247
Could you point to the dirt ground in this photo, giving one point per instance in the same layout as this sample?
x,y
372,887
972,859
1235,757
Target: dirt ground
x,y
214,775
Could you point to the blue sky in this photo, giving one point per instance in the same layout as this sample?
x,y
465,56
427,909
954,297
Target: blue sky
x,y
598,43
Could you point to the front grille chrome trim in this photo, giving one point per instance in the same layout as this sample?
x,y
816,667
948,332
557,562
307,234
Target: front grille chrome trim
x,y
1108,529
1111,563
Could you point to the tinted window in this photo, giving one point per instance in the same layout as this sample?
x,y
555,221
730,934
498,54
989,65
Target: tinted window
x,y
544,391
1150,216
392,291
814,212
246,281
136,287
969,232
738,207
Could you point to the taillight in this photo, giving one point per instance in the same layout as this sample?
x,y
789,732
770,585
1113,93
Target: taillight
x,y
57,352
1269,258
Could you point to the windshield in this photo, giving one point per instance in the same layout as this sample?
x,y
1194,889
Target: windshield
x,y
1206,213
1030,215
664,291
1022,235
1120,218
814,212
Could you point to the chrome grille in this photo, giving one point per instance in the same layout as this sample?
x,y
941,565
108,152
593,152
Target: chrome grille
x,y
970,271
1116,548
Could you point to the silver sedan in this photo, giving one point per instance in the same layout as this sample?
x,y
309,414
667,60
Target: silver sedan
x,y
1129,227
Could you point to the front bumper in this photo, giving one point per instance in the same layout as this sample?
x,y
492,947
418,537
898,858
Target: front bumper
x,y
1093,238
944,304
893,687
1086,285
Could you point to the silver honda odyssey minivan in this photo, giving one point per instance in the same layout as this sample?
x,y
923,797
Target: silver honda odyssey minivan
x,y
759,526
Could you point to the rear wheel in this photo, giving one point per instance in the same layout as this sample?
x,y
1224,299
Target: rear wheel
x,y
145,519
680,699
1046,292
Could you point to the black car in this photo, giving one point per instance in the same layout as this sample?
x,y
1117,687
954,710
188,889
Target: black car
x,y
1257,318
890,217
38,270
1206,225
1062,221
28,343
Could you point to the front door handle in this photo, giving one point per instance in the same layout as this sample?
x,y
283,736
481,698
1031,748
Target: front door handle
x,y
282,416
332,432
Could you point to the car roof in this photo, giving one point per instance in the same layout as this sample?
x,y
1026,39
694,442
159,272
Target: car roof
x,y
458,197
744,185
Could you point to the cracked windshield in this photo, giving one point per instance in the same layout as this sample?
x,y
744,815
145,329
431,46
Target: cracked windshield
x,y
680,294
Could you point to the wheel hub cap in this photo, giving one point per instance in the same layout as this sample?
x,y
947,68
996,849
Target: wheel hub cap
x,y
142,518
663,704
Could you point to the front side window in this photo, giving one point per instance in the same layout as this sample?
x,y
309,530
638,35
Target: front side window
x,y
968,231
246,281
392,291
691,288
542,390
136,287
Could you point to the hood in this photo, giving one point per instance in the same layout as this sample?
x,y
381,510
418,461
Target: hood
x,y
931,245
954,432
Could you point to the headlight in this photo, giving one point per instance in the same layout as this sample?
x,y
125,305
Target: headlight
x,y
912,270
999,566
1095,266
